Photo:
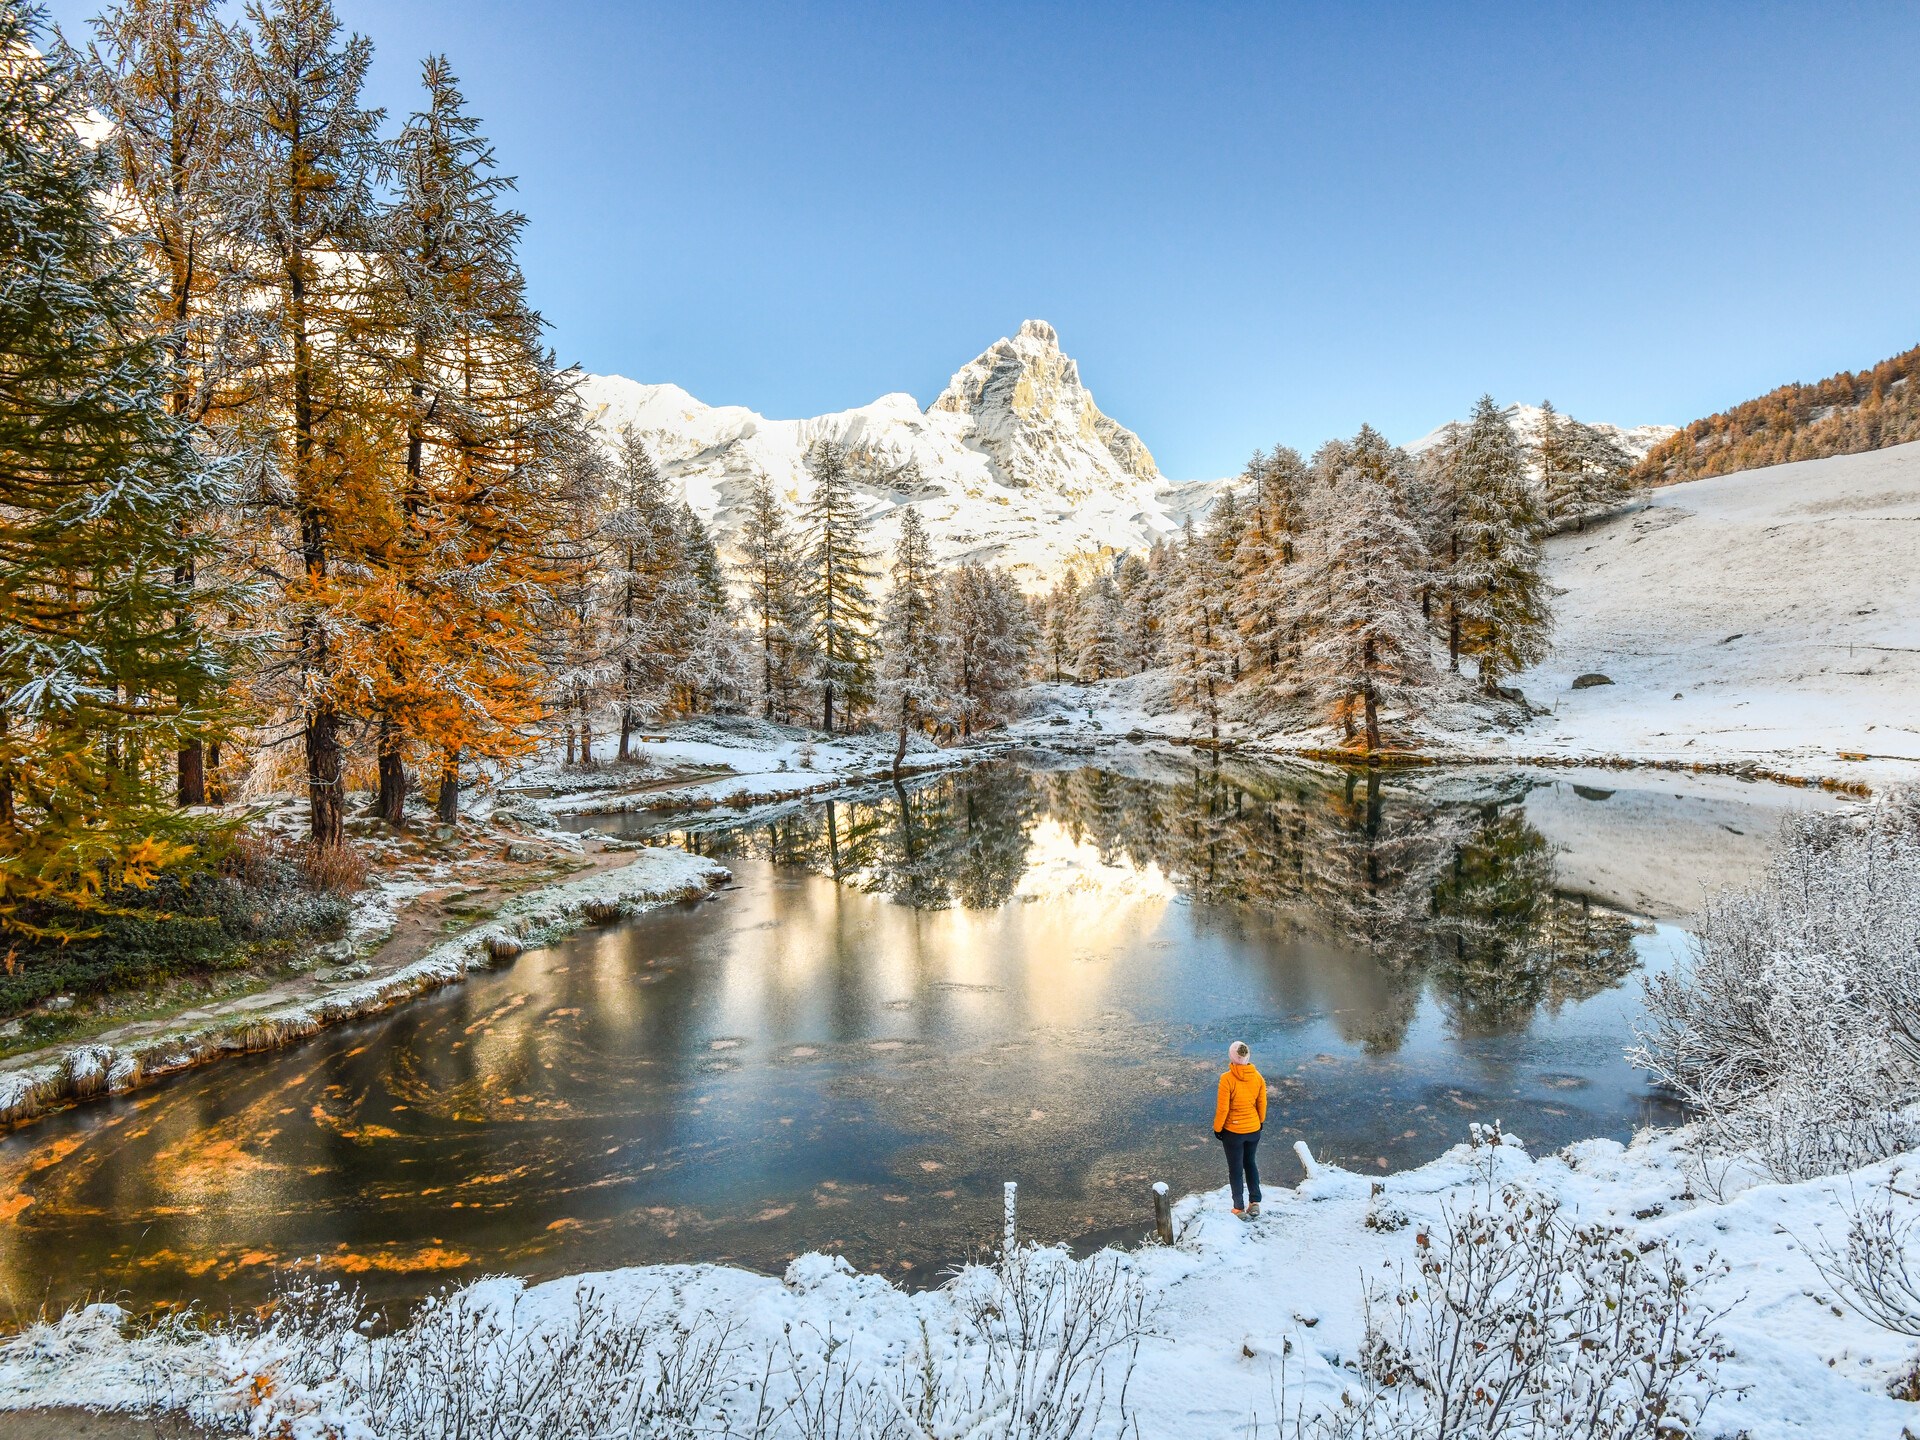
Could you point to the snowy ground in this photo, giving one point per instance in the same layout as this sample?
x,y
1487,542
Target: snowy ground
x,y
1238,1314
1772,615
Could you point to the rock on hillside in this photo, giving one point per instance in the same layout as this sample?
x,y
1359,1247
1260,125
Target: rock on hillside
x,y
1013,463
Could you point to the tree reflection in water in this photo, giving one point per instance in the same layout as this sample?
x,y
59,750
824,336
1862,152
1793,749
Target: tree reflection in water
x,y
1456,895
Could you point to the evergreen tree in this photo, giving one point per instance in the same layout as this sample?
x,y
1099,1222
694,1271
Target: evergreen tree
x,y
160,72
709,668
1200,642
1060,625
653,592
297,192
1606,472
99,483
1369,645
773,572
1496,581
989,641
1556,460
841,578
1268,606
1143,602
912,665
1098,640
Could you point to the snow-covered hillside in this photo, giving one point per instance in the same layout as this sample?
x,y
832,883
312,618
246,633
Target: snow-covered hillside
x,y
1636,440
1771,613
1013,463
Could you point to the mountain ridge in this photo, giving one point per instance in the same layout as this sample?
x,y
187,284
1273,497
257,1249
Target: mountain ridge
x,y
1013,462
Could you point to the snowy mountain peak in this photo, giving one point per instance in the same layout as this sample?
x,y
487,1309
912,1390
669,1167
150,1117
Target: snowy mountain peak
x,y
1013,463
1036,419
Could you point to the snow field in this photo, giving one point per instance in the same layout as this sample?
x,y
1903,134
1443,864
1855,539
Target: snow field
x,y
1235,1315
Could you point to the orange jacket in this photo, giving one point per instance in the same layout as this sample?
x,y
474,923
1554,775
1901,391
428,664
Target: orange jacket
x,y
1242,1106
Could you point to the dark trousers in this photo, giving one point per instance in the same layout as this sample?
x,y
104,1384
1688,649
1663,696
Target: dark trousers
x,y
1241,1167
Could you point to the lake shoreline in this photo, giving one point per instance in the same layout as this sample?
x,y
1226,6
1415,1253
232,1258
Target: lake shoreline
x,y
694,780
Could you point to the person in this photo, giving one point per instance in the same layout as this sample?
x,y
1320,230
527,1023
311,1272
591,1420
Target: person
x,y
1239,1113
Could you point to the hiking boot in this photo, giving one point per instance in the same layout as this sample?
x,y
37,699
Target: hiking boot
x,y
1253,1211
1239,1214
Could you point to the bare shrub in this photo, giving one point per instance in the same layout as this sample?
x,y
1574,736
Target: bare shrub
x,y
334,869
1519,1322
1053,1344
1876,1269
1793,1031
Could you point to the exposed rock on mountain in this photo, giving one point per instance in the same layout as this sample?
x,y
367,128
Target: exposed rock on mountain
x,y
1014,462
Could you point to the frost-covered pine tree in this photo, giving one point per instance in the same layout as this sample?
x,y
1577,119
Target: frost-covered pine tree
x,y
708,673
1557,465
1098,640
651,590
1369,647
1200,642
840,585
1143,600
161,73
1267,608
1606,472
1499,605
989,638
772,572
912,672
100,484
1060,625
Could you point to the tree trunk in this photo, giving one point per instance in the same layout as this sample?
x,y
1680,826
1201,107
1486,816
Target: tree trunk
x,y
323,775
826,708
1453,636
216,788
391,806
626,731
1373,722
446,804
900,750
192,761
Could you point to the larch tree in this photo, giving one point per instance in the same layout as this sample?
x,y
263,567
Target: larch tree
x,y
840,578
1369,646
912,671
989,638
772,572
99,484
160,73
1143,603
297,190
484,420
1496,580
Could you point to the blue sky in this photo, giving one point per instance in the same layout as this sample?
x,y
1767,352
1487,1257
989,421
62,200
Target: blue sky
x,y
1250,222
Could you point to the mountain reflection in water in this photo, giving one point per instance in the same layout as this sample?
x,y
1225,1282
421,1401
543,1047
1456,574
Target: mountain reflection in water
x,y
1027,970
1458,895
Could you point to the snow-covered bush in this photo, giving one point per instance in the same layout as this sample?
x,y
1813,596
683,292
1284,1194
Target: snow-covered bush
x,y
1053,1346
470,1365
1518,1322
1794,1030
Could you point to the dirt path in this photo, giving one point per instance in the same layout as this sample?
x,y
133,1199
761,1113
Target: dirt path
x,y
66,1424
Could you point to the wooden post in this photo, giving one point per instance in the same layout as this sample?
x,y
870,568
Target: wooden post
x,y
1011,1237
1163,1212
